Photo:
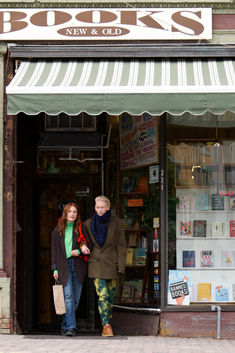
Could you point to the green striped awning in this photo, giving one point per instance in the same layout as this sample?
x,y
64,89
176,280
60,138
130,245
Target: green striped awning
x,y
116,86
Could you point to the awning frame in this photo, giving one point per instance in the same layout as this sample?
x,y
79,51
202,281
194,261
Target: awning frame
x,y
140,50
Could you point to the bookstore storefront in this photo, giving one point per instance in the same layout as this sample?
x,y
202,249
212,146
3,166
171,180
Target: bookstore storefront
x,y
176,194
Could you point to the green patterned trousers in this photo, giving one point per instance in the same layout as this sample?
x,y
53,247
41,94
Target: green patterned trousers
x,y
105,289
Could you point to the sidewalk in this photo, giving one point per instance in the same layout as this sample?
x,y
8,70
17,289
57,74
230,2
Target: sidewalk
x,y
117,344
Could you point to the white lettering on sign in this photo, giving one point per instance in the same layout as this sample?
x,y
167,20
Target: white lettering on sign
x,y
145,24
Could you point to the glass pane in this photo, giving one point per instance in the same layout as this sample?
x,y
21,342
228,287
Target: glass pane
x,y
201,209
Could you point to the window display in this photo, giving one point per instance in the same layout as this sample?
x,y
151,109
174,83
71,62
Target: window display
x,y
201,174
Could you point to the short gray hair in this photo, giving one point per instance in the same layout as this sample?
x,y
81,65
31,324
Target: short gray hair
x,y
103,199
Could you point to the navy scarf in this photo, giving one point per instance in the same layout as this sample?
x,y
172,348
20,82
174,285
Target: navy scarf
x,y
99,227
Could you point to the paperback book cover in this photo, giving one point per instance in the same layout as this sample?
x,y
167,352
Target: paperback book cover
x,y
204,292
202,202
185,229
232,228
140,256
206,258
228,258
188,258
232,203
221,294
200,228
129,256
217,229
184,203
127,292
127,184
217,202
233,291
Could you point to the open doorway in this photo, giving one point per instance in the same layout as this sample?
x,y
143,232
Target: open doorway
x,y
50,172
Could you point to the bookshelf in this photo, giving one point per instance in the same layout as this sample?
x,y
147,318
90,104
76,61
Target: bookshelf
x,y
138,283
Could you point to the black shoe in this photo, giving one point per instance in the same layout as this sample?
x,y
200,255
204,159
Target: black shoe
x,y
71,332
63,332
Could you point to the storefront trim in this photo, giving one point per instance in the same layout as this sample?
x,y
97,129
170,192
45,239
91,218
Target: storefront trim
x,y
121,51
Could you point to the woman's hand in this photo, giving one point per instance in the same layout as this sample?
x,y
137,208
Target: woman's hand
x,y
74,253
56,276
85,250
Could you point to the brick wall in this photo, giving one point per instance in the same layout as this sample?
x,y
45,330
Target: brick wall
x,y
197,324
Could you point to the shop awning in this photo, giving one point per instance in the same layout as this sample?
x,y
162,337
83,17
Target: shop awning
x,y
116,86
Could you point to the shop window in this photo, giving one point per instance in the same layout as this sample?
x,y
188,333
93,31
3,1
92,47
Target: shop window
x,y
140,210
64,122
201,209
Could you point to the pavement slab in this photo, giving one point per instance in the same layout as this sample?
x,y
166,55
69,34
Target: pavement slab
x,y
116,344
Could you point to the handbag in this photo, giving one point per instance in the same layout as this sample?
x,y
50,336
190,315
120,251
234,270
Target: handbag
x,y
58,297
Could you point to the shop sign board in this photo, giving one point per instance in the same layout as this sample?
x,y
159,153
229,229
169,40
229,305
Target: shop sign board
x,y
138,140
106,24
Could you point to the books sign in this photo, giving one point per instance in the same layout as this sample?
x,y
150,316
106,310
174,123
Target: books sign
x,y
106,24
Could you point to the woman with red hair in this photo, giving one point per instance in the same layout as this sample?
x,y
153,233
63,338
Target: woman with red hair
x,y
70,247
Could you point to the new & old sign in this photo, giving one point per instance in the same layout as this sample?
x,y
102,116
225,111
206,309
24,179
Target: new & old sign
x,y
106,24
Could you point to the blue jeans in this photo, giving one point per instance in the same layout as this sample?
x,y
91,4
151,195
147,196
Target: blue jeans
x,y
72,293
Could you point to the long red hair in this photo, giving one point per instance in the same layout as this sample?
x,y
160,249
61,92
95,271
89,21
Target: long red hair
x,y
63,219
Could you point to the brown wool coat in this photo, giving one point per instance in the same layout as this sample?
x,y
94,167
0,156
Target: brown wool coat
x,y
106,262
58,256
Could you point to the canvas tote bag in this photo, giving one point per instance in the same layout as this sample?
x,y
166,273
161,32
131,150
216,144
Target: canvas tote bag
x,y
58,296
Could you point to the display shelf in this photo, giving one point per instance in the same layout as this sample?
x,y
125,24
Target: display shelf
x,y
207,269
205,238
139,275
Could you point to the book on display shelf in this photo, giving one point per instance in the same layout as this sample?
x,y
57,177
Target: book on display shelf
x,y
232,228
232,203
185,229
228,258
202,202
188,257
217,202
217,229
140,256
204,292
221,293
129,256
185,203
199,228
206,258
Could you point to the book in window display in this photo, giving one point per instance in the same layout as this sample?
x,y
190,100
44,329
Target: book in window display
x,y
221,293
232,203
188,257
185,203
228,258
217,229
217,202
204,292
185,229
233,291
206,258
200,228
232,228
202,202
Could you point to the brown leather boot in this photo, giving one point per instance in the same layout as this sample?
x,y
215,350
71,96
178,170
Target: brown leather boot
x,y
107,331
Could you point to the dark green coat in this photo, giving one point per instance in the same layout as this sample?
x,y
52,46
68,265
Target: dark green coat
x,y
106,262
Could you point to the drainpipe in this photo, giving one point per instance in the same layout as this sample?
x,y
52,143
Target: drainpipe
x,y
218,308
